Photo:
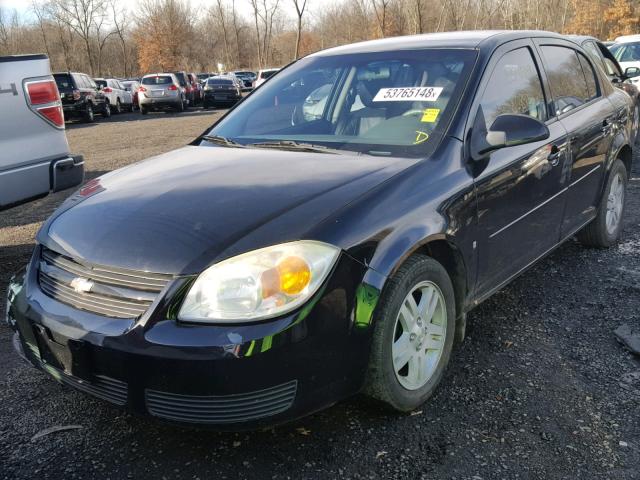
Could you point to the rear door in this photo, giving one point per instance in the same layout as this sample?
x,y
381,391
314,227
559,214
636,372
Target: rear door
x,y
520,191
579,100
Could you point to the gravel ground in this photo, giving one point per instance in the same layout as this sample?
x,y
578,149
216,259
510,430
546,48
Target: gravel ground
x,y
539,389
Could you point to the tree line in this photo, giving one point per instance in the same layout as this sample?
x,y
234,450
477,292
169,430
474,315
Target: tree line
x,y
108,38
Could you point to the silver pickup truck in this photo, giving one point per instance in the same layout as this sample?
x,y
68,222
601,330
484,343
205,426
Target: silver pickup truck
x,y
34,153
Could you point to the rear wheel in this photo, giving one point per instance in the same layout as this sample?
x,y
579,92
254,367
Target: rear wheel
x,y
89,116
605,229
118,106
413,335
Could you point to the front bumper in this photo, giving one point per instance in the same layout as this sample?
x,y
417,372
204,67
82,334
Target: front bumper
x,y
230,377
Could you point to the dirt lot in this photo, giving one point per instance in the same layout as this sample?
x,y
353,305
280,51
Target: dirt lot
x,y
539,389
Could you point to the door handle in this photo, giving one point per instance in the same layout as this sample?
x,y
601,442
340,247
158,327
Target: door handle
x,y
606,126
554,155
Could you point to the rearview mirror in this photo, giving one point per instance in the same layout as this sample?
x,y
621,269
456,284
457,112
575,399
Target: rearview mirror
x,y
507,130
632,72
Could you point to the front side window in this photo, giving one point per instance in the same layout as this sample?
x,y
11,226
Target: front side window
x,y
514,87
567,79
379,103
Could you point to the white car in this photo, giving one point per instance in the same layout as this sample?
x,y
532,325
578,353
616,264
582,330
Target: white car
x,y
627,52
263,75
119,98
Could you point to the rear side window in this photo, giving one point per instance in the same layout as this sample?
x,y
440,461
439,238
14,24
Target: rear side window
x,y
589,75
567,79
514,87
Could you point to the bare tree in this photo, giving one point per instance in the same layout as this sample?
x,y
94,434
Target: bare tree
x,y
81,16
120,21
300,6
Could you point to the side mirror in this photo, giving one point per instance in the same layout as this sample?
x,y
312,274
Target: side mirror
x,y
507,130
632,72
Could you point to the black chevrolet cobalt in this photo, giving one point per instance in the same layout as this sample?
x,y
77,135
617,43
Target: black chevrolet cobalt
x,y
329,234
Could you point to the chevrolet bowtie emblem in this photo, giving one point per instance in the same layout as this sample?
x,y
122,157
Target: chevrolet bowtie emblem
x,y
81,285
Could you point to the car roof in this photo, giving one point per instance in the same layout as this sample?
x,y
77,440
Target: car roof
x,y
580,39
473,39
628,38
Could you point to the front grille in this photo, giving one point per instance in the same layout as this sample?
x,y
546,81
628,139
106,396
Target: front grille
x,y
218,409
103,387
107,291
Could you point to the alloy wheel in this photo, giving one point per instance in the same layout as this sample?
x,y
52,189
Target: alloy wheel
x,y
615,204
419,335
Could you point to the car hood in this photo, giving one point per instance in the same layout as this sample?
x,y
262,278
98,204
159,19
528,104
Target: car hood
x,y
182,211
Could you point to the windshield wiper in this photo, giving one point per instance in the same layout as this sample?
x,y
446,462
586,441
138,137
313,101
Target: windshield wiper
x,y
220,140
305,147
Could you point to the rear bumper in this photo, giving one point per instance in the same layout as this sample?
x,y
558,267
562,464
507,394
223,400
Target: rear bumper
x,y
159,103
215,98
27,182
229,377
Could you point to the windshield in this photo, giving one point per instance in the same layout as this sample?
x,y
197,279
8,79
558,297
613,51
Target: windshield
x,y
626,52
381,103
101,83
165,80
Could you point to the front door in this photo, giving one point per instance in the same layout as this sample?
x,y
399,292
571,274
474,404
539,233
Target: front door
x,y
520,191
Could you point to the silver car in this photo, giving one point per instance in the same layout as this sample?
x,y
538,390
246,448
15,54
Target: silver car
x,y
161,91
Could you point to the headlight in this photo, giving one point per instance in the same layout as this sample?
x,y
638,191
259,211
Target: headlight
x,y
261,284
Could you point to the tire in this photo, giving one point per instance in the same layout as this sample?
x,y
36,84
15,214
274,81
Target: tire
x,y
106,110
401,388
89,116
605,229
143,110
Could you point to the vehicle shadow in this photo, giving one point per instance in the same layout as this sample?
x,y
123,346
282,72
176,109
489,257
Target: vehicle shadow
x,y
137,116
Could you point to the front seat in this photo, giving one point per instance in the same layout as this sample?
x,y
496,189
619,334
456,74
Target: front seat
x,y
359,121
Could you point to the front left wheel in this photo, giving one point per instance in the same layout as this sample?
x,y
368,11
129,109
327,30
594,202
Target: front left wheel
x,y
413,335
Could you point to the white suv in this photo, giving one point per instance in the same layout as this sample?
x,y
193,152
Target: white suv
x,y
116,94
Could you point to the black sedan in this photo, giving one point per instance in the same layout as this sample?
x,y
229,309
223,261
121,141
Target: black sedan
x,y
302,251
221,90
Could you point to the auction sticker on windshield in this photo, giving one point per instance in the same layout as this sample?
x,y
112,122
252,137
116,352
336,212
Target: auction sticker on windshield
x,y
408,94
